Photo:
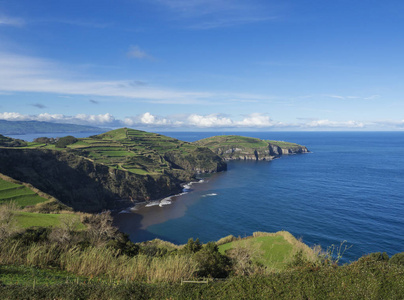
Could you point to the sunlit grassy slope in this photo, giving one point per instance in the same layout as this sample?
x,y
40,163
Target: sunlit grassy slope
x,y
273,250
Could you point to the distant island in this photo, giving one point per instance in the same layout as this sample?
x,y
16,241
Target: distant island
x,y
125,166
28,127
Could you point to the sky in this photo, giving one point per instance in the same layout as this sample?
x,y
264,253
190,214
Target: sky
x,y
237,65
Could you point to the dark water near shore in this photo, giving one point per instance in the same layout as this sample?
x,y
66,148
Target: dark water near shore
x,y
351,187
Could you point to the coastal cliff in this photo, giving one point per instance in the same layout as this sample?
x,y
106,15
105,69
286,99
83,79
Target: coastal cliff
x,y
111,170
125,166
233,147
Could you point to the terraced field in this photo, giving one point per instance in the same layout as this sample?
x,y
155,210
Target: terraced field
x,y
135,151
19,194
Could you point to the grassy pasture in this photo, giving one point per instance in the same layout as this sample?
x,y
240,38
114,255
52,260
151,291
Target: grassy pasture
x,y
27,219
273,250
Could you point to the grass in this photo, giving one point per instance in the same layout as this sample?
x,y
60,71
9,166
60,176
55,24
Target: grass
x,y
284,145
27,219
272,250
30,276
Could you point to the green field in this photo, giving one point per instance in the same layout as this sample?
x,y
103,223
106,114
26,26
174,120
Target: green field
x,y
274,251
27,219
19,194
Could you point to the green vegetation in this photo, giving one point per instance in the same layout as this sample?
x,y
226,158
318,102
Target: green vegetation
x,y
85,257
135,151
274,251
21,195
9,142
28,219
65,141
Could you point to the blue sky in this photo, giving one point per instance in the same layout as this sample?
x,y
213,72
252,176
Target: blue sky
x,y
204,65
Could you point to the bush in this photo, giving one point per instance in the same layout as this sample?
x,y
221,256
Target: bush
x,y
192,246
211,263
123,244
44,140
65,141
33,235
374,257
397,259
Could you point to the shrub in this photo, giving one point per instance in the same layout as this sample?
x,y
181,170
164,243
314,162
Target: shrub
x,y
44,140
65,141
397,259
211,262
32,235
374,257
192,246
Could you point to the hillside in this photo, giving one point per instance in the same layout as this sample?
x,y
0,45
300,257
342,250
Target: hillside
x,y
27,127
234,147
111,170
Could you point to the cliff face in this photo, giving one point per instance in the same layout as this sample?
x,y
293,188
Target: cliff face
x,y
198,161
81,183
244,148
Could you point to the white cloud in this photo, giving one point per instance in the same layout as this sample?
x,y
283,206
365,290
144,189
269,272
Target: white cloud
x,y
210,14
13,116
27,74
82,119
136,52
212,120
341,97
147,119
256,120
10,21
334,124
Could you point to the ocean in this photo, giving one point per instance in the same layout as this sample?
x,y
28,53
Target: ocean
x,y
349,190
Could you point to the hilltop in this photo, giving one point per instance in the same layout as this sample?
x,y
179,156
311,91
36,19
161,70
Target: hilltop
x,y
234,147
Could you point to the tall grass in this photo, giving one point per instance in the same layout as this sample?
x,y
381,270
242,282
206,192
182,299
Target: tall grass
x,y
107,262
99,261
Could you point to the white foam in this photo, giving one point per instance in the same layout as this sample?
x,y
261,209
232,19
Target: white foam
x,y
210,195
166,201
153,203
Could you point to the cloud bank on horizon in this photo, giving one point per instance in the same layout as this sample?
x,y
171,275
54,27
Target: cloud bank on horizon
x,y
204,64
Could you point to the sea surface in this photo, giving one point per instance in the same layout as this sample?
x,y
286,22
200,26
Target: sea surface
x,y
349,189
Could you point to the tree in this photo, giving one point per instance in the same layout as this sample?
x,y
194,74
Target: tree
x,y
211,262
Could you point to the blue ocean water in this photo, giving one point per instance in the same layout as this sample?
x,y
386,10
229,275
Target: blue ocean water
x,y
350,188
